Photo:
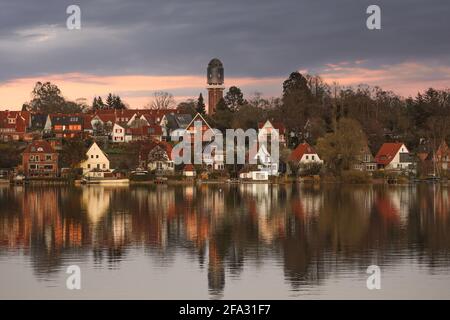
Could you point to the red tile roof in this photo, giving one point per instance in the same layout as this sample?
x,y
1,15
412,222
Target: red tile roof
x,y
387,152
39,146
302,149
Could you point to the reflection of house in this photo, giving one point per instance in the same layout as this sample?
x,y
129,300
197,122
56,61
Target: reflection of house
x,y
269,131
40,160
443,156
96,164
394,156
189,171
304,156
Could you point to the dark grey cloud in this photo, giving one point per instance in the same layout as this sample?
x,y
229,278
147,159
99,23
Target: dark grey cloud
x,y
252,37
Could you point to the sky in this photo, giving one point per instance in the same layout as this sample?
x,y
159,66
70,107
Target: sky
x,y
136,47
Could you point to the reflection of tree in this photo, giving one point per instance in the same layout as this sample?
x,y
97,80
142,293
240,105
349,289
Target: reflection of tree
x,y
312,230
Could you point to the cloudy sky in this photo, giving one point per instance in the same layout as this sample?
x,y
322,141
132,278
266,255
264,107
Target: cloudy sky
x,y
134,48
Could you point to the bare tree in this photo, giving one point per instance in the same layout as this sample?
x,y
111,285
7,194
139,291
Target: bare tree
x,y
161,101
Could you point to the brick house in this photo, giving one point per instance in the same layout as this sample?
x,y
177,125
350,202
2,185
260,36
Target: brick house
x,y
39,159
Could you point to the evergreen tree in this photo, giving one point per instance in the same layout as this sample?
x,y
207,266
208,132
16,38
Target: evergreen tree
x,y
110,101
200,105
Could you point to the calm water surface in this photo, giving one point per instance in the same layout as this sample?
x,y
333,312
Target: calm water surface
x,y
233,242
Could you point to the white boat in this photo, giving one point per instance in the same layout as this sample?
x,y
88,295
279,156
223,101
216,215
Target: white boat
x,y
105,181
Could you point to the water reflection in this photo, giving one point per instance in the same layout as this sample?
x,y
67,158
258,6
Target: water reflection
x,y
311,232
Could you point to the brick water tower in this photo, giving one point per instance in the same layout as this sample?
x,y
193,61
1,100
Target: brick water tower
x,y
215,77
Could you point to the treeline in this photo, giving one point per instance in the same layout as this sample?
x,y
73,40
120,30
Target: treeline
x,y
312,109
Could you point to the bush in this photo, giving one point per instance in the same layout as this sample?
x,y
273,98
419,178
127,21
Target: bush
x,y
355,176
309,169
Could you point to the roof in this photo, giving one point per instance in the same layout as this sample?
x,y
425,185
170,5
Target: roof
x,y
387,152
276,125
39,146
202,119
300,150
66,119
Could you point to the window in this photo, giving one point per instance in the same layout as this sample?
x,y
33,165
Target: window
x,y
307,158
98,165
48,157
32,166
48,167
89,166
92,156
313,157
104,166
96,156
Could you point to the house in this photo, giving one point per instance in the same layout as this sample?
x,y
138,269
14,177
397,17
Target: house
x,y
14,124
158,158
119,133
198,127
64,125
39,159
146,132
304,156
364,160
264,160
174,125
394,156
272,130
38,121
97,162
213,157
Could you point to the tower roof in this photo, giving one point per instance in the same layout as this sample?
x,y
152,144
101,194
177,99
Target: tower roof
x,y
215,63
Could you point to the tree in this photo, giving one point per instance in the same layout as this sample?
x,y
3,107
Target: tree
x,y
110,101
297,104
223,116
234,99
47,98
97,104
161,101
187,107
113,102
73,152
200,108
342,148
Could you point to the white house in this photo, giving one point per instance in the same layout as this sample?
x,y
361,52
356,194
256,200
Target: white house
x,y
213,157
394,156
272,130
119,133
304,156
96,164
265,161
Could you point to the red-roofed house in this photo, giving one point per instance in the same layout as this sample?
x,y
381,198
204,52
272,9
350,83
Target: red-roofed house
x,y
270,129
304,154
39,159
14,124
394,156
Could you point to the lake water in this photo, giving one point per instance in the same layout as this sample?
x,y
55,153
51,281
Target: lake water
x,y
251,241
